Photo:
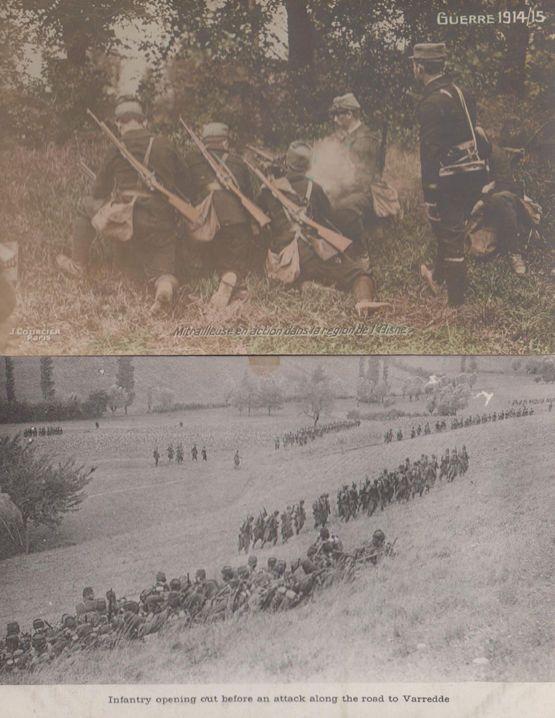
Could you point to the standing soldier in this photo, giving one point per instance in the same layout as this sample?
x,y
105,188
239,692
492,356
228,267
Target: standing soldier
x,y
179,454
295,255
229,251
156,455
236,460
170,453
204,454
147,236
194,453
452,172
355,207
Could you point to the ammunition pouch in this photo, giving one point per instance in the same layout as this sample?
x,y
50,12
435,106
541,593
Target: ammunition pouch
x,y
284,266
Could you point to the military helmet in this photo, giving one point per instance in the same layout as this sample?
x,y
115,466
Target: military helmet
x,y
200,574
161,577
252,560
128,105
39,624
175,584
298,156
344,103
378,536
88,593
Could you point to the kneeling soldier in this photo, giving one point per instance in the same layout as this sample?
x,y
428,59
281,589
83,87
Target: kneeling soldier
x,y
141,223
296,256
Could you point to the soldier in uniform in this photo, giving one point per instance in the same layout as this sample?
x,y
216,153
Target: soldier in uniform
x,y
230,251
445,133
154,242
292,257
355,208
156,455
194,453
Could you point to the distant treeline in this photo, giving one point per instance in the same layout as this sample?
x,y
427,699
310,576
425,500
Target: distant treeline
x,y
15,412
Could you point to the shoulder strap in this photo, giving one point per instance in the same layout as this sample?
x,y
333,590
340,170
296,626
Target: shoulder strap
x,y
308,192
467,114
146,159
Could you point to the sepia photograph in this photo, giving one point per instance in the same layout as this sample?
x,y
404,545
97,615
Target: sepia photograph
x,y
276,177
261,520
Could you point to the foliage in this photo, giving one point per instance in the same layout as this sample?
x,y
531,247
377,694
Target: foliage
x,y
40,488
10,379
47,385
125,378
450,399
118,398
315,393
12,412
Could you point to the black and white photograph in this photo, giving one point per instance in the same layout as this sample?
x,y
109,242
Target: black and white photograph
x,y
248,520
276,177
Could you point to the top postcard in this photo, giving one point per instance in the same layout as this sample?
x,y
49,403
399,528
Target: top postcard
x,y
276,177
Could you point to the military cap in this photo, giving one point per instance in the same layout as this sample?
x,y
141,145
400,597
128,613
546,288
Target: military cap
x,y
38,624
345,103
378,536
272,561
429,51
215,130
127,104
298,156
252,560
88,592
175,584
201,573
68,621
324,533
161,577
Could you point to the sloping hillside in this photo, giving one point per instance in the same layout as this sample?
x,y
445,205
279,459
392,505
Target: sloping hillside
x,y
471,580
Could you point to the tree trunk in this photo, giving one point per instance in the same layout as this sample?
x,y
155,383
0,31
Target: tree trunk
x,y
513,70
300,34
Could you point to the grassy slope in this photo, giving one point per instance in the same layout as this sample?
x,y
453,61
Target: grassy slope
x,y
471,579
108,315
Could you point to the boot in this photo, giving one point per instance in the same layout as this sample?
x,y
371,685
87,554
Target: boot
x,y
222,295
165,287
455,278
364,289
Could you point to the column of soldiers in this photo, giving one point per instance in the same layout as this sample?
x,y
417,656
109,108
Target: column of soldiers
x,y
104,623
302,436
32,431
178,454
461,422
269,526
402,484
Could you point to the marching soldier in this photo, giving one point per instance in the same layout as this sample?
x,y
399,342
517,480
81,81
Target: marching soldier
x,y
293,256
446,117
156,455
231,247
144,231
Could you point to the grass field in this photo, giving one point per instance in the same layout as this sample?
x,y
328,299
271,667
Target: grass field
x,y
472,578
108,313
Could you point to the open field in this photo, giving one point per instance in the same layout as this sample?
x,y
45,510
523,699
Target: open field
x,y
472,577
108,314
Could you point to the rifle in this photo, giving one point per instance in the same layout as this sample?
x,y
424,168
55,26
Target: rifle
x,y
227,180
336,240
147,176
87,170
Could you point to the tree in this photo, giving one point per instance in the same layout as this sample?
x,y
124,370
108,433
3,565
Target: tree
x,y
11,526
41,489
117,398
162,398
125,378
10,379
316,394
247,393
96,404
270,394
47,385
